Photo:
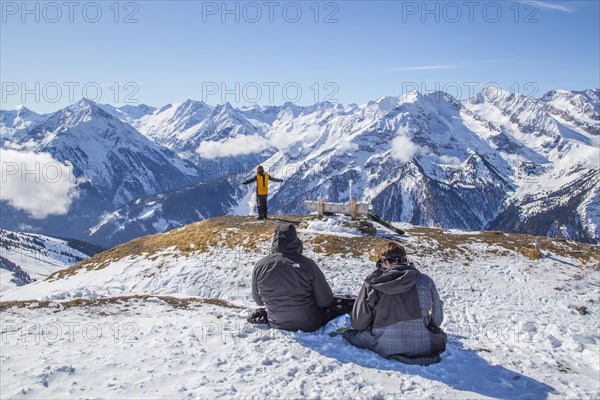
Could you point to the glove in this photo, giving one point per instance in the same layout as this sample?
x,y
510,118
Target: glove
x,y
339,331
258,316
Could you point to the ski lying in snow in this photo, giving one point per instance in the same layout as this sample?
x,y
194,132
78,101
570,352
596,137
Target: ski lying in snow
x,y
377,218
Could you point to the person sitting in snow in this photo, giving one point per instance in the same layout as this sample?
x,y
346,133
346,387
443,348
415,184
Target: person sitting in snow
x,y
291,286
398,312
262,190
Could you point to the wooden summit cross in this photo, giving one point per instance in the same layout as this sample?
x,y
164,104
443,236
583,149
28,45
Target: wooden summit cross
x,y
354,209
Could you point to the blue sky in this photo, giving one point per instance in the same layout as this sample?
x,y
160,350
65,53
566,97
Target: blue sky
x,y
351,51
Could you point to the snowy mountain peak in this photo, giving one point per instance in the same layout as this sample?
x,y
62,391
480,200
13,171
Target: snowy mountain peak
x,y
192,105
25,112
478,98
255,107
85,110
84,103
291,109
164,108
442,97
137,111
575,106
225,109
188,114
412,97
385,104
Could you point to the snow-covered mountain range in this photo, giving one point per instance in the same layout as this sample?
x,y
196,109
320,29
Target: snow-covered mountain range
x,y
499,160
110,162
184,127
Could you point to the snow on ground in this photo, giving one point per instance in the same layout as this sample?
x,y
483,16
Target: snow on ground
x,y
460,232
149,349
332,224
518,328
38,255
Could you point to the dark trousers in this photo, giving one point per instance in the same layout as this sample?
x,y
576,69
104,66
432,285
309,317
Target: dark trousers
x,y
261,202
341,305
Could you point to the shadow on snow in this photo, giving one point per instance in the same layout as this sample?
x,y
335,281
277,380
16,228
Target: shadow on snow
x,y
461,369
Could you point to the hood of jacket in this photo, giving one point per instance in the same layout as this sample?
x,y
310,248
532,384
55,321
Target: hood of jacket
x,y
286,240
395,279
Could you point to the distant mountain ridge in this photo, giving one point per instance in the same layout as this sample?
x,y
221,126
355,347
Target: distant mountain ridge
x,y
114,163
499,160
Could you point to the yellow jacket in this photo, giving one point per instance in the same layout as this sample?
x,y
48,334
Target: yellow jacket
x,y
262,183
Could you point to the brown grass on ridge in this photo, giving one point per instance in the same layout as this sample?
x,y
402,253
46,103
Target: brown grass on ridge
x,y
247,233
175,302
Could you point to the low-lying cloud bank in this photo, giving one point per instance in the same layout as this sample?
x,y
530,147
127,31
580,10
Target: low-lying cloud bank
x,y
235,146
37,183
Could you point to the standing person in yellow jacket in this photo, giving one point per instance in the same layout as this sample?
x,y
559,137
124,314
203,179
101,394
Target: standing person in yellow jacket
x,y
262,189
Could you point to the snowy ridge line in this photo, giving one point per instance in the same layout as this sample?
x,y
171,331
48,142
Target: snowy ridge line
x,y
214,258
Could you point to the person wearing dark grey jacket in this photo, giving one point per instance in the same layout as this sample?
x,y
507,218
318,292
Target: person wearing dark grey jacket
x,y
292,288
398,312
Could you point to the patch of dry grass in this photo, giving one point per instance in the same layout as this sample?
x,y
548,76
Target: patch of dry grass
x,y
228,231
531,253
356,246
175,302
500,243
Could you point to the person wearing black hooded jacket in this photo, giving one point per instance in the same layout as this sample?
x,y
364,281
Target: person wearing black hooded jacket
x,y
398,312
291,286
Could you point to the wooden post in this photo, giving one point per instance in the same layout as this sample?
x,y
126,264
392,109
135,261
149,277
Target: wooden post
x,y
323,207
320,207
537,245
353,209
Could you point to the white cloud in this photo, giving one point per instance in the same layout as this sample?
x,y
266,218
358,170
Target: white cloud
x,y
281,140
37,183
546,5
236,146
403,149
451,160
462,65
346,145
426,68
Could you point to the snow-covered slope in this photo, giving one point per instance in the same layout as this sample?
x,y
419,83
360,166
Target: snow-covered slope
x,y
519,327
165,211
27,257
557,189
579,108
